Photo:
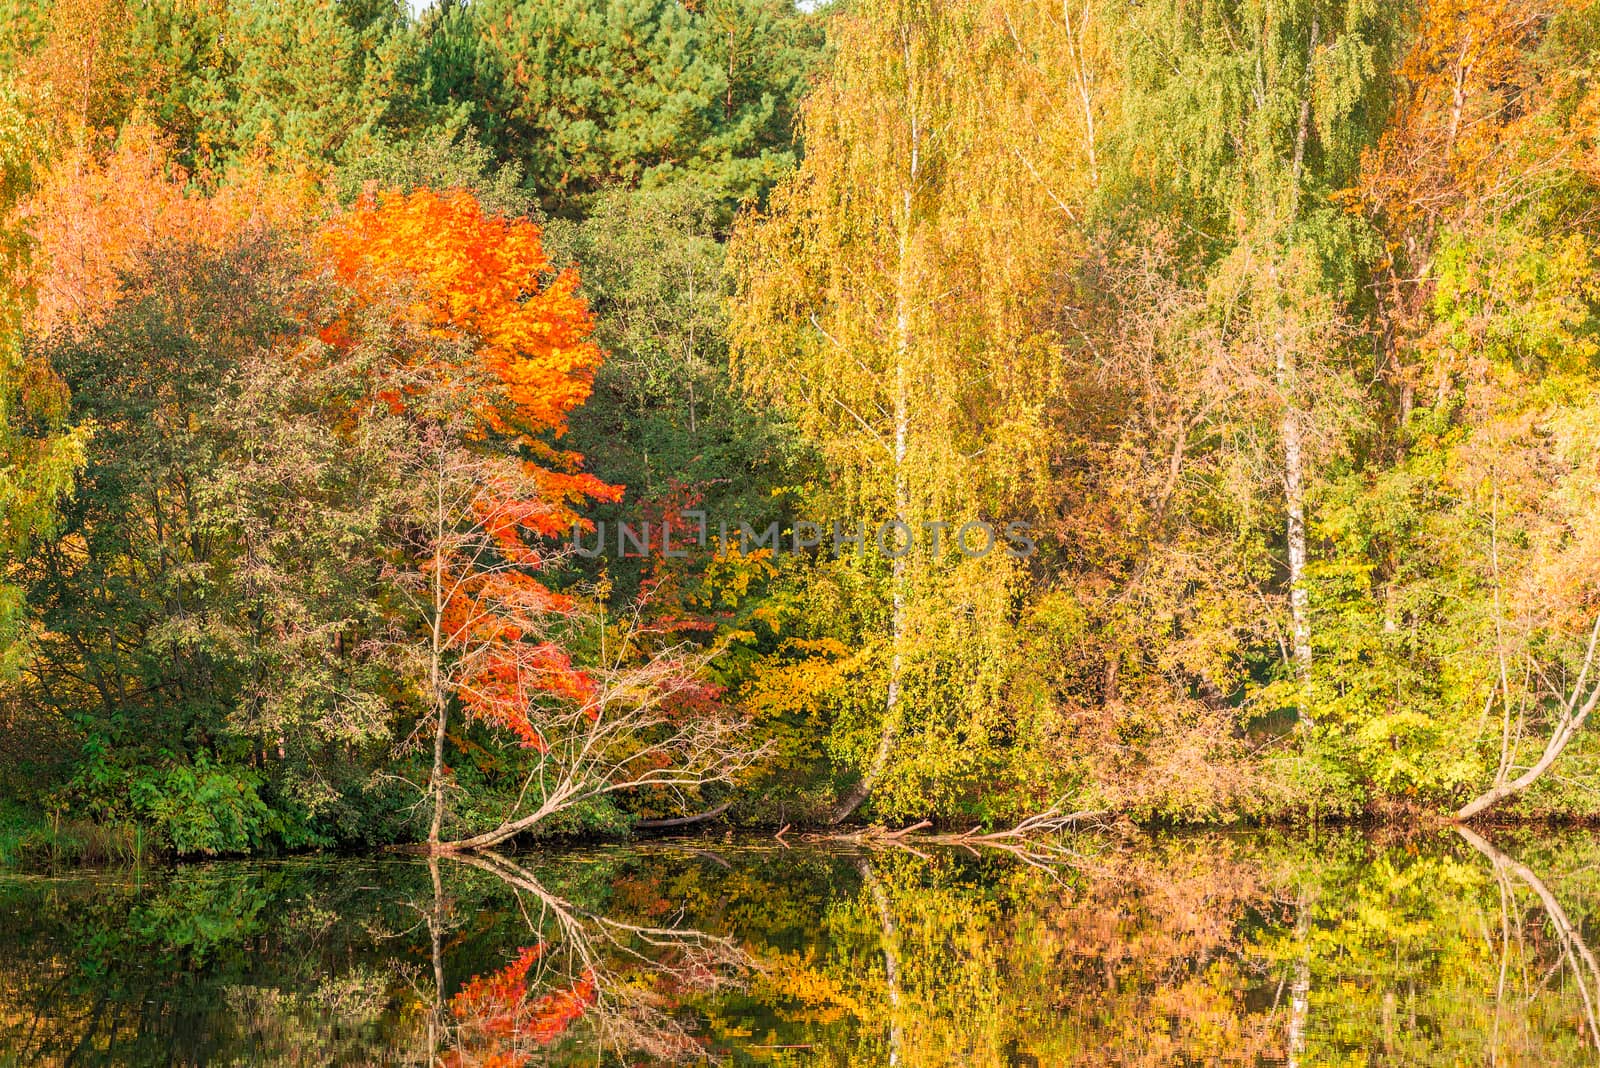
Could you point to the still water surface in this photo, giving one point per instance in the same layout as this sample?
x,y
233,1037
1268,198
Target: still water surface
x,y
1338,948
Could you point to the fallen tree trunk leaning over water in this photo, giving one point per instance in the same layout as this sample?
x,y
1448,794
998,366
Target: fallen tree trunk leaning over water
x,y
1575,709
683,821
629,734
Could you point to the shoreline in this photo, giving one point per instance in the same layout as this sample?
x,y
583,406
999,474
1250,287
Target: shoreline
x,y
25,858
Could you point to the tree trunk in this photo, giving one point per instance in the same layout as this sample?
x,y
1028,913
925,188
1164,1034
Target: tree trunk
x,y
890,730
1294,494
1291,429
684,821
436,665
507,831
1295,502
436,783
1075,44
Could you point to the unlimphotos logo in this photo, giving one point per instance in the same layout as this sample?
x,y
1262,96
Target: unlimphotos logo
x,y
893,538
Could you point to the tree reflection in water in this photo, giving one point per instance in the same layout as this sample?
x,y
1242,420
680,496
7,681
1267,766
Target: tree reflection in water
x,y
1574,951
619,980
1233,949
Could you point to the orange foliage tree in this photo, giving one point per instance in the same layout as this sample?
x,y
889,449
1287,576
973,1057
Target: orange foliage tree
x,y
491,490
1468,140
95,216
490,485
487,278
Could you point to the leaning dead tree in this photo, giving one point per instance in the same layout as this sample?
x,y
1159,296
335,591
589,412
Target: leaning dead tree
x,y
1573,705
638,726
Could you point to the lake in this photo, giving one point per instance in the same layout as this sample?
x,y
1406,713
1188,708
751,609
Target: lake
x,y
1317,948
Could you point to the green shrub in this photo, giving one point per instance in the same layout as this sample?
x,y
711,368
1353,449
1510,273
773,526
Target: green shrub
x,y
203,807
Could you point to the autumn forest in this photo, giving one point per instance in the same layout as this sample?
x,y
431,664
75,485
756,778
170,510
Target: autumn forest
x,y
516,419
